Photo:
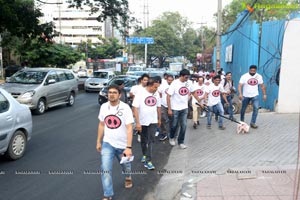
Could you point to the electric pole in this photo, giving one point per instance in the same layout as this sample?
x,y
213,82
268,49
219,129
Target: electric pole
x,y
218,49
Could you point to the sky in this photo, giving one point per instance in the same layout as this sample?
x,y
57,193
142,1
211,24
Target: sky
x,y
197,11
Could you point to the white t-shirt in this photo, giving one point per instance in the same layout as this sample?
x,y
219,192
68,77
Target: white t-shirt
x,y
200,91
163,89
208,82
179,92
250,84
115,119
214,94
134,89
147,104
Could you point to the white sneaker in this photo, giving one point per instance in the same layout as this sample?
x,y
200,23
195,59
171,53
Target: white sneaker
x,y
156,133
172,141
139,138
182,146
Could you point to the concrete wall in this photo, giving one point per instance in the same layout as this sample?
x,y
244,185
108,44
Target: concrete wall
x,y
289,86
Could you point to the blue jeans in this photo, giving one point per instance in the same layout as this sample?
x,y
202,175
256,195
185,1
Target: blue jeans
x,y
216,109
229,108
255,104
108,152
179,117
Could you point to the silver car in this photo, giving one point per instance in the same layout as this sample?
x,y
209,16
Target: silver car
x,y
42,88
98,80
15,126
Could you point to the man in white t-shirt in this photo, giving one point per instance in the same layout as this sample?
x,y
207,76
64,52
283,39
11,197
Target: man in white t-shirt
x,y
142,83
114,138
147,112
177,100
165,121
229,88
199,88
213,95
249,82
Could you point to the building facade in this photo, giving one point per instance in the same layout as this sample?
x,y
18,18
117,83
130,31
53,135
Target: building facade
x,y
74,25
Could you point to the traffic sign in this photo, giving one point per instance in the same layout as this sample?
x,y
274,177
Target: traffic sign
x,y
140,40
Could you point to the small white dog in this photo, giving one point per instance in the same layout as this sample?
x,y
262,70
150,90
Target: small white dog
x,y
242,127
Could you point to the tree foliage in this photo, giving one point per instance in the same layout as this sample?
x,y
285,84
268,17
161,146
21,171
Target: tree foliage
x,y
231,11
41,54
19,18
173,36
116,10
109,48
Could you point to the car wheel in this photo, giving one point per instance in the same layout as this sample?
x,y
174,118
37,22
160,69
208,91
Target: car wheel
x,y
71,99
101,100
17,146
41,107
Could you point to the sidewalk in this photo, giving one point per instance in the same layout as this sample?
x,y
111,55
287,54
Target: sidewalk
x,y
219,165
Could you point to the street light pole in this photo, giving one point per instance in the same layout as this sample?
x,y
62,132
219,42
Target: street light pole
x,y
218,49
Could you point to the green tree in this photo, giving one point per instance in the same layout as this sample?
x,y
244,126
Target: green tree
x,y
167,31
109,48
173,36
230,12
41,54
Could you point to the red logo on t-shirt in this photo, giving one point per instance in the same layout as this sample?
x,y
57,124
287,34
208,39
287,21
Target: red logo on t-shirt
x,y
183,91
150,101
112,121
216,93
252,81
199,92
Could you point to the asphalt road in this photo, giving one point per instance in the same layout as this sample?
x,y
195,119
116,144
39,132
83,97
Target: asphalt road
x,y
61,161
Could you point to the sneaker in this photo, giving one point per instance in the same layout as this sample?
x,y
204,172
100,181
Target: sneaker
x,y
143,159
163,137
222,127
139,138
149,165
182,146
156,133
195,126
253,126
172,141
208,126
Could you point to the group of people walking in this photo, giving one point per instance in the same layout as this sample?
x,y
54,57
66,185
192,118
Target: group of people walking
x,y
164,103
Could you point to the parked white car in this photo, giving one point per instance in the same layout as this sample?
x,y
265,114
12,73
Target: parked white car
x,y
15,126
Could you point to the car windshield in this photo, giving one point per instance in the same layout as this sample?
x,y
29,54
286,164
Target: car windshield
x,y
128,82
156,73
134,68
100,75
28,77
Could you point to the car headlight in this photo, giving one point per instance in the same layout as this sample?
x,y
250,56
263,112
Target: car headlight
x,y
102,93
28,94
